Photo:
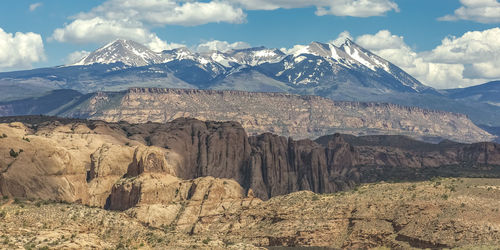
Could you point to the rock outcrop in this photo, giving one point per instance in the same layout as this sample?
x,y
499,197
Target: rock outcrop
x,y
83,160
190,178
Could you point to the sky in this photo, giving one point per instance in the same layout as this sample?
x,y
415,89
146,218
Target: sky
x,y
443,43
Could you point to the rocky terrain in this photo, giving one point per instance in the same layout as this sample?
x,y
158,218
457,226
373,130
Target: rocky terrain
x,y
82,161
283,114
209,184
441,213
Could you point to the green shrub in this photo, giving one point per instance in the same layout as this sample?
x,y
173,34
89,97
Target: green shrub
x,y
26,139
13,153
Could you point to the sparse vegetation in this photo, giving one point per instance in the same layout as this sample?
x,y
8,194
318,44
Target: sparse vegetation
x,y
13,153
115,230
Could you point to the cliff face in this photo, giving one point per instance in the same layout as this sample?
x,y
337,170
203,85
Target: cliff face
x,y
83,160
273,165
283,114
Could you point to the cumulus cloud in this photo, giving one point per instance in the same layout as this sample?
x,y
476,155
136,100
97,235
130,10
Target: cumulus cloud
x,y
293,50
483,11
20,50
462,61
35,6
163,12
479,51
125,19
355,8
99,30
221,46
76,56
342,38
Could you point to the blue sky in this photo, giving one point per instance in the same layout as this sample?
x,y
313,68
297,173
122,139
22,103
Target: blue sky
x,y
412,30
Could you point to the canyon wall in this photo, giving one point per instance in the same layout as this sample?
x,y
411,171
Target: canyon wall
x,y
279,113
84,160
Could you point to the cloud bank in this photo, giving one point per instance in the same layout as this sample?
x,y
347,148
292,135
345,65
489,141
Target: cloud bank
x,y
127,19
467,60
221,46
483,11
20,50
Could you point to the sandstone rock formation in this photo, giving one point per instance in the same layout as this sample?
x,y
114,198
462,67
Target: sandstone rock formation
x,y
197,181
82,160
278,113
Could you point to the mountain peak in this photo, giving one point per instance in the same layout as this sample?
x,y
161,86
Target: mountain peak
x,y
128,52
348,42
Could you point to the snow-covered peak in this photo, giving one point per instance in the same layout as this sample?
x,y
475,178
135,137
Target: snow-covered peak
x,y
125,51
348,54
178,54
364,56
219,57
256,56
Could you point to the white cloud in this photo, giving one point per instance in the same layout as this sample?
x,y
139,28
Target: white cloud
x,y
35,6
356,8
462,61
20,50
163,12
294,49
341,38
134,20
479,51
99,30
76,56
221,46
126,19
483,11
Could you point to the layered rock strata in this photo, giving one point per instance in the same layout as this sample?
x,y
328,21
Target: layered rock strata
x,y
278,113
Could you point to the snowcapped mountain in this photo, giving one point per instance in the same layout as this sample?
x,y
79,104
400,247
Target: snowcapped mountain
x,y
340,72
127,52
347,72
256,56
319,63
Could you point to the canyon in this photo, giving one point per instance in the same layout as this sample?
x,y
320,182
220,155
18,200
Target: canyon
x,y
191,183
83,159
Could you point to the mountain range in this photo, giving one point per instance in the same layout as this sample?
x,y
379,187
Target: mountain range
x,y
344,73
